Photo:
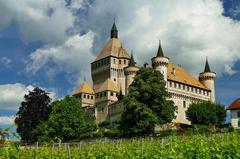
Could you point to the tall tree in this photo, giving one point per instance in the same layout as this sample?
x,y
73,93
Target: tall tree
x,y
34,109
205,113
148,97
66,121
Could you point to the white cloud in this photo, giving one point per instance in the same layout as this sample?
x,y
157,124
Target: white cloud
x,y
189,30
7,120
5,61
11,95
72,57
45,20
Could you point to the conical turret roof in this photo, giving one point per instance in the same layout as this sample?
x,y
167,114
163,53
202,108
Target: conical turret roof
x,y
132,62
160,51
114,31
207,67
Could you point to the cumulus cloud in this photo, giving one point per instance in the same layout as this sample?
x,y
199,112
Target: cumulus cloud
x,y
7,120
189,30
11,95
72,57
5,61
44,20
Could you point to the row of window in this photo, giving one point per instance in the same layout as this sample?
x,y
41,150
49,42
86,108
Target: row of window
x,y
106,61
100,63
188,88
87,96
104,94
119,61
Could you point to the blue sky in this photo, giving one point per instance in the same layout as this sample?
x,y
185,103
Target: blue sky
x,y
51,43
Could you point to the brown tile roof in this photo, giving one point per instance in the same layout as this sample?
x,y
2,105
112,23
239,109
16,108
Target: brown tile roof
x,y
113,48
182,76
84,88
107,85
234,105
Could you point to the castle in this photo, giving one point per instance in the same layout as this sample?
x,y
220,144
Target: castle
x,y
113,71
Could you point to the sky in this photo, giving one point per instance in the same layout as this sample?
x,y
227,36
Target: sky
x,y
51,43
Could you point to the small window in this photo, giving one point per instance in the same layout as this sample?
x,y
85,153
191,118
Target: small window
x,y
124,61
84,96
170,83
105,93
238,113
183,87
200,91
101,94
102,109
179,86
196,90
192,89
114,79
88,96
111,93
114,61
184,104
120,61
175,85
91,97
187,88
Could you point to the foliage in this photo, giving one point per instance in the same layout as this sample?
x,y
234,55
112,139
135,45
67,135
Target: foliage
x,y
146,104
33,110
66,121
179,147
206,113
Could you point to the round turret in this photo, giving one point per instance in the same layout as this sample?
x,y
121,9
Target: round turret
x,y
160,62
207,78
130,71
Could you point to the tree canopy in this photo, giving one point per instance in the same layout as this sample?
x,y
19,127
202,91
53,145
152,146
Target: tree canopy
x,y
146,104
206,113
33,110
66,121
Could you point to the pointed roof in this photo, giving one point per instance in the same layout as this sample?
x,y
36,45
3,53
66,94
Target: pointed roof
x,y
84,88
113,48
108,85
160,51
234,105
132,62
183,76
114,31
207,67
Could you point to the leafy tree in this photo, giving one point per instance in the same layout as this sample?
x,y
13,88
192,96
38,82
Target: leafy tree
x,y
146,104
34,109
206,113
137,119
66,121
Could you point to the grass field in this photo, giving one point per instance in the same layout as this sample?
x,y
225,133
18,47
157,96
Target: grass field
x,y
225,145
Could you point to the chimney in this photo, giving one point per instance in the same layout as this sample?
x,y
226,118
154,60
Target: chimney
x,y
146,65
174,71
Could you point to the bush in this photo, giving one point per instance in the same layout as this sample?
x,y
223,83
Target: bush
x,y
112,133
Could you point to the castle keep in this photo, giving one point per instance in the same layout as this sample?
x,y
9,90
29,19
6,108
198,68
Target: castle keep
x,y
114,69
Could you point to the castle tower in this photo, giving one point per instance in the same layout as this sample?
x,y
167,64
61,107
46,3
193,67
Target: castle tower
x,y
110,63
85,94
207,79
130,73
160,62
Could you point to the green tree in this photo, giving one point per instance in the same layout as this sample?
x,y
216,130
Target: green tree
x,y
66,121
33,110
146,104
206,113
